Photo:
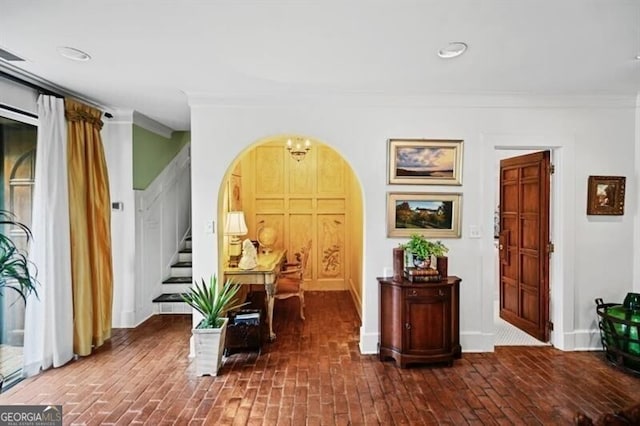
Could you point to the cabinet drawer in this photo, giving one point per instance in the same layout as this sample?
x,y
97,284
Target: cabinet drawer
x,y
438,291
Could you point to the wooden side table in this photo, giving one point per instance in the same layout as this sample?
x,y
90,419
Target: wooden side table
x,y
419,322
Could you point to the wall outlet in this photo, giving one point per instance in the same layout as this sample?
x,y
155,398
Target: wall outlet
x,y
474,231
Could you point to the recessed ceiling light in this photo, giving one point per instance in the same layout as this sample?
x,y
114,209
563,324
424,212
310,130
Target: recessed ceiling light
x,y
73,54
452,50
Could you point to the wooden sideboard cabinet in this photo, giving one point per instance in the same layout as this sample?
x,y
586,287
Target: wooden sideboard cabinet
x,y
419,322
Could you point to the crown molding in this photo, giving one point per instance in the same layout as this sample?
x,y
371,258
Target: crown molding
x,y
438,100
151,125
129,116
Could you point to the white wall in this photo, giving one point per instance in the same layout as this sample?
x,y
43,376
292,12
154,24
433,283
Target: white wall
x,y
117,139
590,136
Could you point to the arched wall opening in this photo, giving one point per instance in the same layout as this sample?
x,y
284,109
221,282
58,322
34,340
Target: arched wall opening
x,y
317,198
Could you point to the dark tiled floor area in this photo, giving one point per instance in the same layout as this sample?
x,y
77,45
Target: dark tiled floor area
x,y
313,374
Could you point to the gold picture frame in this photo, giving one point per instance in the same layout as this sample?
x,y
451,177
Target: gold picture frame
x,y
605,195
425,162
433,215
235,193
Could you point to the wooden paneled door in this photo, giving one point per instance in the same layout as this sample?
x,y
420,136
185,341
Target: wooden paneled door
x,y
524,243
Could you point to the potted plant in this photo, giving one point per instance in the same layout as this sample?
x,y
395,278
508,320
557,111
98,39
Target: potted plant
x,y
422,250
15,272
209,335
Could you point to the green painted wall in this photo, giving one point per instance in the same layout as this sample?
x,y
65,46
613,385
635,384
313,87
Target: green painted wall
x,y
152,153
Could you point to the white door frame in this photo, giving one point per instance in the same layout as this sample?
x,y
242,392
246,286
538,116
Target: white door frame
x,y
561,231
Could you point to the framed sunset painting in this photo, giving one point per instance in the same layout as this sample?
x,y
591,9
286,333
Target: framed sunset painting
x,y
425,162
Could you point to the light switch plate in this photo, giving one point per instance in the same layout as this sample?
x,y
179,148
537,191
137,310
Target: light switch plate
x,y
210,227
474,231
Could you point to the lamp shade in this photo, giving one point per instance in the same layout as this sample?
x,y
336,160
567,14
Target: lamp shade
x,y
235,224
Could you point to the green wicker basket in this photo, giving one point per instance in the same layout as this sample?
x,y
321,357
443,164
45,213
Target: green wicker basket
x,y
619,326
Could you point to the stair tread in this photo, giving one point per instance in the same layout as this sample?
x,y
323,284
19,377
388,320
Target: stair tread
x,y
168,297
178,280
185,250
182,264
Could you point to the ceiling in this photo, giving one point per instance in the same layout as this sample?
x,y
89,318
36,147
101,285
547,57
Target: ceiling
x,y
148,54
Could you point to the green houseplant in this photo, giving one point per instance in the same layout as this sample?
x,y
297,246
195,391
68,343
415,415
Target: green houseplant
x,y
209,335
422,249
16,271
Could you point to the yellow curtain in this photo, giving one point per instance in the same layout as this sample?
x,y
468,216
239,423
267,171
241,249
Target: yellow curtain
x,y
90,218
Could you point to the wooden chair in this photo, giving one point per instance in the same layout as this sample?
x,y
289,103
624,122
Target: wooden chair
x,y
290,281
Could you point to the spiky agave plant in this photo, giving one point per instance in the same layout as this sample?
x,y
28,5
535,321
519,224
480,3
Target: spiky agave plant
x,y
210,302
16,271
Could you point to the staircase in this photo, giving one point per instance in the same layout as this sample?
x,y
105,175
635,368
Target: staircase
x,y
170,301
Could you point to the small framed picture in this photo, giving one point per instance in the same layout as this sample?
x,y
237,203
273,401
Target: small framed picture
x,y
605,195
425,162
433,215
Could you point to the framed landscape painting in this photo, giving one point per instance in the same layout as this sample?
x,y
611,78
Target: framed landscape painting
x,y
425,162
433,215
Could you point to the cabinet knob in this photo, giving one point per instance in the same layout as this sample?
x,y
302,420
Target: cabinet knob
x,y
407,326
441,292
413,293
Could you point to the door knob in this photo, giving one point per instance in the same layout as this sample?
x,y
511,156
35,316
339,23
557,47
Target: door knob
x,y
501,247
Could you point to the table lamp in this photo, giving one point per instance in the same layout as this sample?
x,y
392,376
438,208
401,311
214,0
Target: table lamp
x,y
234,228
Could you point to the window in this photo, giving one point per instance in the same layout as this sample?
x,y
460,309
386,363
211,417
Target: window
x,y
18,135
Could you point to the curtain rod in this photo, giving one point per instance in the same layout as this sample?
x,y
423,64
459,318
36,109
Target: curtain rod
x,y
18,111
40,89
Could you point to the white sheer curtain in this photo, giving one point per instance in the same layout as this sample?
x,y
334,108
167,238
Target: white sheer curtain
x,y
48,336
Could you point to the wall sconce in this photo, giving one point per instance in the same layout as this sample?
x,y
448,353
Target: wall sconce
x,y
234,228
298,150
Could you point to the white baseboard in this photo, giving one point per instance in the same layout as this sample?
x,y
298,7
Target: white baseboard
x,y
369,342
475,341
145,318
126,320
583,340
580,340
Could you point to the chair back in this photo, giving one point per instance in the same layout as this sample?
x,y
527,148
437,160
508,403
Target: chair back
x,y
297,270
304,257
290,282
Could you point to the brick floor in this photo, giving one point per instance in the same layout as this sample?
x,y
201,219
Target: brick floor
x,y
314,374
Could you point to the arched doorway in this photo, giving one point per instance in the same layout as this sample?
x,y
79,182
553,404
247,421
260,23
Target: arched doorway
x,y
315,196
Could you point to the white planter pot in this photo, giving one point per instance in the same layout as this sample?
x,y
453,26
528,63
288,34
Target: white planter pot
x,y
209,346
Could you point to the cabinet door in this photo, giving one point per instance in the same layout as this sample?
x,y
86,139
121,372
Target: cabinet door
x,y
428,323
391,323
